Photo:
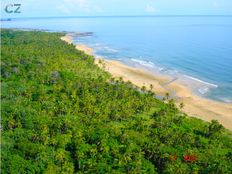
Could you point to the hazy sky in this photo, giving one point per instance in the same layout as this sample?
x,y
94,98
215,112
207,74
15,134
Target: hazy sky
x,y
50,8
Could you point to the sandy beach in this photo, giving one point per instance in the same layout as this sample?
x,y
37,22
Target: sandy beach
x,y
194,105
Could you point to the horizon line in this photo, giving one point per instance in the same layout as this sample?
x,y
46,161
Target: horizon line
x,y
105,16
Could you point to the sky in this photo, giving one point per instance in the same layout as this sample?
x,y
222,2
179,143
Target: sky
x,y
54,8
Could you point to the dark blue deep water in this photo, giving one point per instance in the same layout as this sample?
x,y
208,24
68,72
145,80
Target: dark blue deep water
x,y
195,48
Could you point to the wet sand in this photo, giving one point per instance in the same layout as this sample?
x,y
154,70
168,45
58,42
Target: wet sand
x,y
194,105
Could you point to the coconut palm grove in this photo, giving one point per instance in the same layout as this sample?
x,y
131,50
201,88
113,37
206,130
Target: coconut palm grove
x,y
61,113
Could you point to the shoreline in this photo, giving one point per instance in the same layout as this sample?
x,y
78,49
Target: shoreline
x,y
194,106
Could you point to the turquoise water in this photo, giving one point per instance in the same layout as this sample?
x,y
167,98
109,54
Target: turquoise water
x,y
195,49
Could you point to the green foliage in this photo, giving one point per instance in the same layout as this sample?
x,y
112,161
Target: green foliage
x,y
63,114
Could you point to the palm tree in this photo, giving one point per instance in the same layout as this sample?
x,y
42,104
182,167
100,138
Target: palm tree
x,y
112,79
181,105
100,61
151,87
143,88
167,95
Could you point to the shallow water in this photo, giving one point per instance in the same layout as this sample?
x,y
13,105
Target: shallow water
x,y
197,50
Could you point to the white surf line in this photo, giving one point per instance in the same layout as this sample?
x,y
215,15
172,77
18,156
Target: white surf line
x,y
198,80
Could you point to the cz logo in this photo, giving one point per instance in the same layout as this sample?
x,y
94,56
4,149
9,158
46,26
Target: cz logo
x,y
13,8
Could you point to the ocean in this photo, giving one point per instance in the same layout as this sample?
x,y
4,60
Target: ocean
x,y
194,49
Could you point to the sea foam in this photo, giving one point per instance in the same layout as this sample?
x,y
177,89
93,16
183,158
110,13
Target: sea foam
x,y
202,87
144,63
201,81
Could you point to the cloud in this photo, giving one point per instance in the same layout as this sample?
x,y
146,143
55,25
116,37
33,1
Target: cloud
x,y
80,6
80,3
63,9
215,4
150,9
70,6
98,9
